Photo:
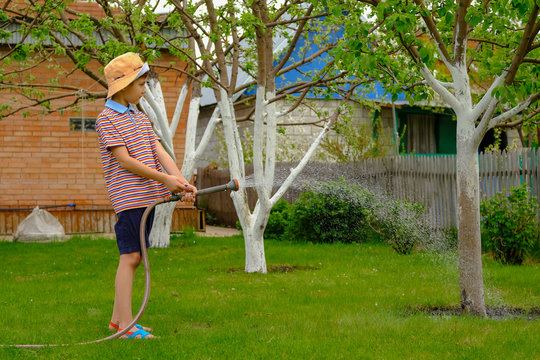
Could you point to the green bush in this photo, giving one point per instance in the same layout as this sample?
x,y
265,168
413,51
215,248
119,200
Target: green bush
x,y
339,212
510,225
278,220
399,224
332,212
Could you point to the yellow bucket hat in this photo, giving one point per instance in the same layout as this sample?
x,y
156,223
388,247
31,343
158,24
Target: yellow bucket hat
x,y
123,70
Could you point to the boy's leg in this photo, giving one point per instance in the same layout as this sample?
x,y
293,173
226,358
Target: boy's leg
x,y
125,274
127,237
123,286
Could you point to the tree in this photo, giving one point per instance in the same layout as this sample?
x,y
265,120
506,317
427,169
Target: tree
x,y
90,42
239,37
480,58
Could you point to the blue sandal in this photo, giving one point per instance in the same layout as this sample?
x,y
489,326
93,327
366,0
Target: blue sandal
x,y
133,335
117,328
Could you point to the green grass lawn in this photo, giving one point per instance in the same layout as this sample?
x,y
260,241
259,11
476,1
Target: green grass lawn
x,y
344,302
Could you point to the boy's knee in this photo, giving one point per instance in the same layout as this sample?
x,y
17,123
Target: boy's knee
x,y
132,259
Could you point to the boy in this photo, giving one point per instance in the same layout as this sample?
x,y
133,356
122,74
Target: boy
x,y
132,159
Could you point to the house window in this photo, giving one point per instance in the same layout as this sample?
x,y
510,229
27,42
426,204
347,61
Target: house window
x,y
79,123
426,132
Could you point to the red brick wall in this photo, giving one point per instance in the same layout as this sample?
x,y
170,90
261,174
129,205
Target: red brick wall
x,y
43,163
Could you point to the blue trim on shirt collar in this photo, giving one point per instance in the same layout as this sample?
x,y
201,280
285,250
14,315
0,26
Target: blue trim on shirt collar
x,y
110,103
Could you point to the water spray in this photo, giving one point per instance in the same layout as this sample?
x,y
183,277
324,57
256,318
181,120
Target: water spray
x,y
232,185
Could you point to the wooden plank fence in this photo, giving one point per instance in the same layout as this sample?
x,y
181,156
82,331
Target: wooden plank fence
x,y
428,179
77,221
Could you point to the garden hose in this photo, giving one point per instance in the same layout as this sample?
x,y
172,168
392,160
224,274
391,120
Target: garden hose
x,y
233,185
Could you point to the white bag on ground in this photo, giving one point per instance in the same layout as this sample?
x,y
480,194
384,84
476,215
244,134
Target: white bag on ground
x,y
39,226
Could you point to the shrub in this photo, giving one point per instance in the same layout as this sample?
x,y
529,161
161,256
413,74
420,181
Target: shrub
x,y
339,212
510,225
399,224
332,212
278,220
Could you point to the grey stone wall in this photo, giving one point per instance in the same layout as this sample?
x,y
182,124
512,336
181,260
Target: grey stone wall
x,y
296,130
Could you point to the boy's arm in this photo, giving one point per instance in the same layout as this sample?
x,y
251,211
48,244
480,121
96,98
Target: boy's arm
x,y
172,182
170,167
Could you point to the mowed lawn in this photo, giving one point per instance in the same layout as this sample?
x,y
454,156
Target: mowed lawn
x,y
317,302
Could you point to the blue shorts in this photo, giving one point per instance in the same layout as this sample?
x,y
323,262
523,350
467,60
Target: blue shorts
x,y
127,230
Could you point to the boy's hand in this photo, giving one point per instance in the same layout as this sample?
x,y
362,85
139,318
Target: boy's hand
x,y
174,184
190,192
187,186
178,185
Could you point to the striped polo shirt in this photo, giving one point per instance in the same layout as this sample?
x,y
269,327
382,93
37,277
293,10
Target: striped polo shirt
x,y
118,125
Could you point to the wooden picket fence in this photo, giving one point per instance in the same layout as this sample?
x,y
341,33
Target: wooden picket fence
x,y
431,179
427,179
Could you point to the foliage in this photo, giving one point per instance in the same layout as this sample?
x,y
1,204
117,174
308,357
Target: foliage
x,y
391,41
481,58
332,212
510,224
339,212
353,141
89,42
210,218
450,238
399,224
278,220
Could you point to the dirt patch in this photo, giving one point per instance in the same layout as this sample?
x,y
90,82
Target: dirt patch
x,y
279,268
289,268
497,313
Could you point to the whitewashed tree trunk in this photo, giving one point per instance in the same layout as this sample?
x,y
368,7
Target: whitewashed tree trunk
x,y
254,223
161,229
468,182
154,106
468,220
254,244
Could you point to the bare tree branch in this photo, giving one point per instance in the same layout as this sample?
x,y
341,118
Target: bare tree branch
x,y
73,58
519,121
6,5
293,66
488,42
515,110
292,45
220,54
296,20
461,31
18,71
236,56
529,34
432,27
531,60
109,12
49,99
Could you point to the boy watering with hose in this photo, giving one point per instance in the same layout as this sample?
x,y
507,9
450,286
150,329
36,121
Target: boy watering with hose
x,y
133,161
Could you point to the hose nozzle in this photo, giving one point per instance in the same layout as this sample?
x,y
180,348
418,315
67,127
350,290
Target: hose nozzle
x,y
232,185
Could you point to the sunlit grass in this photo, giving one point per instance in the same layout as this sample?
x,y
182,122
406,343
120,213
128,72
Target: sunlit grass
x,y
323,302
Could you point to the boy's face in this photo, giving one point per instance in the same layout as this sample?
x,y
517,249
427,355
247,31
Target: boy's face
x,y
134,91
